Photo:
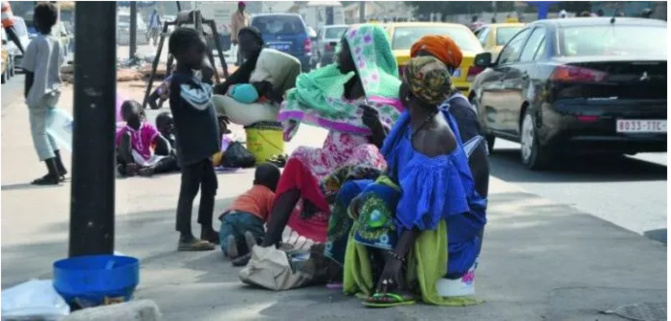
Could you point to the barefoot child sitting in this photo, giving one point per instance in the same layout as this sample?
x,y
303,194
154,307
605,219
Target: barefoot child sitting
x,y
134,145
242,224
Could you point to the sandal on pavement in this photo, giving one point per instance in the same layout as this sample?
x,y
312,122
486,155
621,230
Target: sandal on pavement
x,y
212,237
388,300
278,160
195,246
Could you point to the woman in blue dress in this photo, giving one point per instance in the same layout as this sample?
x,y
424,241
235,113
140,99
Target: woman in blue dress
x,y
414,224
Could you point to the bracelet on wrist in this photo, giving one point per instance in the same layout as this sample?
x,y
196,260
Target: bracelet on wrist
x,y
396,256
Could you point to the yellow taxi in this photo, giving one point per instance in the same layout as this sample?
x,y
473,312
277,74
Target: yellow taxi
x,y
494,36
404,34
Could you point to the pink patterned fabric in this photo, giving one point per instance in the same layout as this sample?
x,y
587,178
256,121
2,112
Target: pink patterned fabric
x,y
308,166
340,149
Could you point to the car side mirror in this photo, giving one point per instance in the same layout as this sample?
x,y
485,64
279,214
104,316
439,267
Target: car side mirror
x,y
484,60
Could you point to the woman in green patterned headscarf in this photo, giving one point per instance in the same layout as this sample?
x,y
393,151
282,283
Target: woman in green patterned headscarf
x,y
356,100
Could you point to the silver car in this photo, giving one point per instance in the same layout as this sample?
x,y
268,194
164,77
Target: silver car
x,y
327,40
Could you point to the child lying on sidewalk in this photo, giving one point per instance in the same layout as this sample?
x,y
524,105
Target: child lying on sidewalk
x,y
242,224
134,145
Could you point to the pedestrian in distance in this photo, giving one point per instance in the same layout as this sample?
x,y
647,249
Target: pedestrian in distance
x,y
239,20
42,63
197,136
155,25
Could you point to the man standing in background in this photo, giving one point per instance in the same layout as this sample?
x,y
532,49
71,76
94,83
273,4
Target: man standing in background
x,y
239,20
154,26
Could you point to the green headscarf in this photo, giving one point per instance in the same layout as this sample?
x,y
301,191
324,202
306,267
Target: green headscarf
x,y
318,98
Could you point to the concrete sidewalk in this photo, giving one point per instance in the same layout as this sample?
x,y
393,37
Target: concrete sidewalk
x,y
540,260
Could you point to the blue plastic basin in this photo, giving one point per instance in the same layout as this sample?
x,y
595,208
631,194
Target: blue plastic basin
x,y
89,280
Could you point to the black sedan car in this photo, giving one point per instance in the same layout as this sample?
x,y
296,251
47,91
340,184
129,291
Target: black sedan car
x,y
584,85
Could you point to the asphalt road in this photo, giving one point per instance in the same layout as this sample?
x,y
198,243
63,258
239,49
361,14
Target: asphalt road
x,y
11,91
628,191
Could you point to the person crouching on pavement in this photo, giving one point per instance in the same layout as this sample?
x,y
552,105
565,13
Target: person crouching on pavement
x,y
197,138
242,223
134,145
41,63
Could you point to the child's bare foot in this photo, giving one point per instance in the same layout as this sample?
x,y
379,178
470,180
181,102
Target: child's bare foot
x,y
146,171
250,240
231,247
131,169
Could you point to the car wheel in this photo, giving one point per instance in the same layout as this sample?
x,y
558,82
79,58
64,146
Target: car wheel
x,y
490,142
3,79
533,155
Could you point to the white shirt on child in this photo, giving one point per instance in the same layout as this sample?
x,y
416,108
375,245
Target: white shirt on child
x,y
44,58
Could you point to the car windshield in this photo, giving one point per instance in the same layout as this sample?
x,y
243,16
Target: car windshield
x,y
278,25
334,33
404,37
504,34
613,41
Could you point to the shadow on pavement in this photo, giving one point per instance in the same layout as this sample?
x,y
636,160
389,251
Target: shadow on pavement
x,y
657,235
150,236
23,186
505,164
532,248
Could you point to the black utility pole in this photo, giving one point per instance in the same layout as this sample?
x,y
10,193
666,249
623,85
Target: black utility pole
x,y
133,29
92,195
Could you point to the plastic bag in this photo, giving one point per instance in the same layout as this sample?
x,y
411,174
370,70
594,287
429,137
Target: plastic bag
x,y
59,126
271,269
33,300
237,155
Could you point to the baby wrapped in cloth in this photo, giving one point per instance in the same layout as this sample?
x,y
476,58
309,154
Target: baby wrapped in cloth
x,y
274,67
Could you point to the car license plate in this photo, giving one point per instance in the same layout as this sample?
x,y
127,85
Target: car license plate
x,y
641,126
279,46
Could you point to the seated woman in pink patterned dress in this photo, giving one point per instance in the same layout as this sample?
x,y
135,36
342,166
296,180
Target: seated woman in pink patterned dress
x,y
356,100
